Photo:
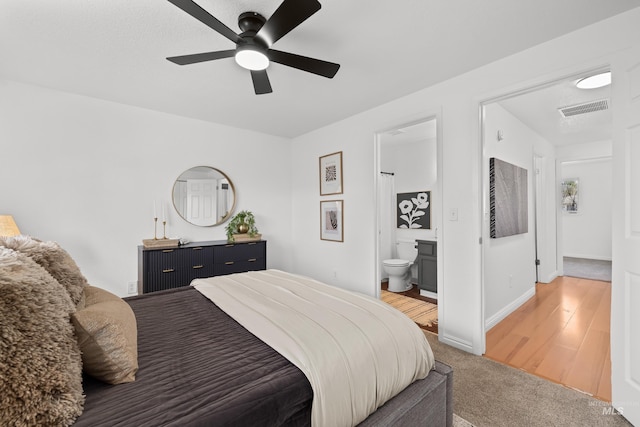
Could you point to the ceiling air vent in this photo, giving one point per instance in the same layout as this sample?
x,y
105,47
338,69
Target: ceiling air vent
x,y
587,107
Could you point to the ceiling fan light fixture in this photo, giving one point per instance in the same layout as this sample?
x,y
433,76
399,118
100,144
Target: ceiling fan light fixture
x,y
595,81
251,58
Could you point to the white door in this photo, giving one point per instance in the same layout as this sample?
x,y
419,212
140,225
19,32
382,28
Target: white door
x,y
625,286
201,201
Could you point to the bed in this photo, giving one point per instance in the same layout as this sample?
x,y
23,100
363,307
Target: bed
x,y
198,366
204,355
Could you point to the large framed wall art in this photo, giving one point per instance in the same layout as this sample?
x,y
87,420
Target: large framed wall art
x,y
508,199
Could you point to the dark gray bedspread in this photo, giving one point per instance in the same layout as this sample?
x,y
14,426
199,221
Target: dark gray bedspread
x,y
199,367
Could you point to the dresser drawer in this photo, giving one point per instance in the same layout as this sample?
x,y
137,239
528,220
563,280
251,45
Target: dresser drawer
x,y
239,252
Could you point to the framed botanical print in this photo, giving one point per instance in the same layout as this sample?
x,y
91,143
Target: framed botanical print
x,y
331,220
331,174
414,210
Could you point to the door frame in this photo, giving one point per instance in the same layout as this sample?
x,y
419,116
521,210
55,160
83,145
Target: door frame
x,y
483,164
438,209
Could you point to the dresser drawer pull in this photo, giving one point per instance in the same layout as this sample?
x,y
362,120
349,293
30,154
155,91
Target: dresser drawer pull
x,y
229,246
198,266
167,250
228,263
197,249
253,259
168,270
252,243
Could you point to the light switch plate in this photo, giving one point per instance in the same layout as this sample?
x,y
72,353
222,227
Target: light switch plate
x,y
453,214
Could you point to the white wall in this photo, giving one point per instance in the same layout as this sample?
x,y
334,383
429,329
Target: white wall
x,y
587,234
509,268
85,172
457,100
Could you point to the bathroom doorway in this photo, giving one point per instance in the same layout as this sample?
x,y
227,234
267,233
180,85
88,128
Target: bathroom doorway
x,y
408,184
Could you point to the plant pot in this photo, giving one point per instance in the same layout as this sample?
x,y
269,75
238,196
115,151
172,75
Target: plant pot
x,y
243,228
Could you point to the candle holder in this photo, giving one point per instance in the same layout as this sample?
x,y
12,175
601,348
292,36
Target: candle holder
x,y
164,241
155,227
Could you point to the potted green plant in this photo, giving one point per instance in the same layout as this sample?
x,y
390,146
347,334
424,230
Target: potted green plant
x,y
242,223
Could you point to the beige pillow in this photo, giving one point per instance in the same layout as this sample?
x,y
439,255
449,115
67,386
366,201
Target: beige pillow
x,y
108,337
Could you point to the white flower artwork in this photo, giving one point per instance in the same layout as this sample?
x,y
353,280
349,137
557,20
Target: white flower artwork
x,y
414,210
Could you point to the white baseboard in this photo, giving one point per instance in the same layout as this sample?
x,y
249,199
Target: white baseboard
x,y
499,316
550,278
596,257
458,343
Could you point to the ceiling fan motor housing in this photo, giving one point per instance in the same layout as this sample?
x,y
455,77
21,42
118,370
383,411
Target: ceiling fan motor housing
x,y
250,22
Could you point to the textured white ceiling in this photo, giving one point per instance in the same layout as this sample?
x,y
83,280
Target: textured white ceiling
x,y
538,109
116,50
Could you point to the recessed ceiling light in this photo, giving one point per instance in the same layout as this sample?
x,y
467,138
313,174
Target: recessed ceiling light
x,y
595,81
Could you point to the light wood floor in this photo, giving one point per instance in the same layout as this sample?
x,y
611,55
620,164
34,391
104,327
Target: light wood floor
x,y
414,292
561,334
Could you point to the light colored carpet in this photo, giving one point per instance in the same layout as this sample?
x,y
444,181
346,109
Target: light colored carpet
x,y
593,269
487,393
423,313
461,422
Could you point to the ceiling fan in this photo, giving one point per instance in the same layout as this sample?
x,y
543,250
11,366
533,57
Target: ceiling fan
x,y
253,46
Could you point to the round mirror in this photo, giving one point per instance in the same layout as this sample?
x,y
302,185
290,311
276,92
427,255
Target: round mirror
x,y
204,196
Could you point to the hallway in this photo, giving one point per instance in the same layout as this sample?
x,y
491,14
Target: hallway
x,y
561,334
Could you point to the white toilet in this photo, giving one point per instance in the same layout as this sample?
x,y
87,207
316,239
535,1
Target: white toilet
x,y
399,269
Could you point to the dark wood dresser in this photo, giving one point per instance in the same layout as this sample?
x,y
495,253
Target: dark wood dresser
x,y
166,268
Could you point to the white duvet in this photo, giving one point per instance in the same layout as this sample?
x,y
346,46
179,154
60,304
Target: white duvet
x,y
356,351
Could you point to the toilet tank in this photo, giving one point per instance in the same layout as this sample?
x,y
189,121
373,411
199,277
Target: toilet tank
x,y
407,249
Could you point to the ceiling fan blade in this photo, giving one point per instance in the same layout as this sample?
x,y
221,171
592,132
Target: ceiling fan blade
x,y
206,18
287,16
201,57
261,83
304,63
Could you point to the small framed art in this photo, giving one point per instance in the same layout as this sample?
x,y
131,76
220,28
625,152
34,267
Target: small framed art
x,y
331,220
331,174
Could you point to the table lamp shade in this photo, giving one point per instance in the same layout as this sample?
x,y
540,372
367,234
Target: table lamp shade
x,y
8,227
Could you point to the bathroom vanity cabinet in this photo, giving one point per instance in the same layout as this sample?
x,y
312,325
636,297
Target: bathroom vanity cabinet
x,y
167,268
427,265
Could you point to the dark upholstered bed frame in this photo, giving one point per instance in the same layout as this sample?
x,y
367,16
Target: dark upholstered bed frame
x,y
199,367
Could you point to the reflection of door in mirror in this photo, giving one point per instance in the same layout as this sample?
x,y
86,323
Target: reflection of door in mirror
x,y
204,196
201,201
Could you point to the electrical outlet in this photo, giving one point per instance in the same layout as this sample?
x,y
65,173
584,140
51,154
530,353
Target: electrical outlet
x,y
133,288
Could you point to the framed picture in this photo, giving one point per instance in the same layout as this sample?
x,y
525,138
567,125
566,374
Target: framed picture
x,y
331,174
414,210
508,199
569,190
331,220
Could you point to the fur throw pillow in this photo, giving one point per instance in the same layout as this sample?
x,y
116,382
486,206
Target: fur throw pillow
x,y
40,363
55,260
